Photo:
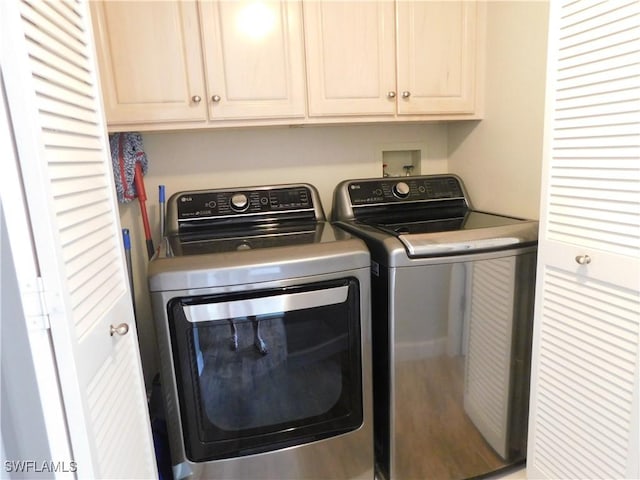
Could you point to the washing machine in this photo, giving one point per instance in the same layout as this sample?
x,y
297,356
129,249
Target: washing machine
x,y
452,292
262,312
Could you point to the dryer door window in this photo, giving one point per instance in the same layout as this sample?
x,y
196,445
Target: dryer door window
x,y
267,369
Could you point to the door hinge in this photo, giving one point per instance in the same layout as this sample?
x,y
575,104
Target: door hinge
x,y
34,302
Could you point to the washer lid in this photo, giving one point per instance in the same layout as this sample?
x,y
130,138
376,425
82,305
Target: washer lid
x,y
477,231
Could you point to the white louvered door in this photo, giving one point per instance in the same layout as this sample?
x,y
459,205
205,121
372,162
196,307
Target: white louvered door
x,y
48,66
584,414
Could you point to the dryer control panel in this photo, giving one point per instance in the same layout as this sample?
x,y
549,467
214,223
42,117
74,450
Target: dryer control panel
x,y
242,206
206,204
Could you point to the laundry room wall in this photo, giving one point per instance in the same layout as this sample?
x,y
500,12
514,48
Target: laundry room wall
x,y
320,155
500,157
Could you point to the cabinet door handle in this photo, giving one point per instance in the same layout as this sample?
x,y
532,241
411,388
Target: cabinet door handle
x,y
406,94
391,94
121,329
583,259
215,98
196,99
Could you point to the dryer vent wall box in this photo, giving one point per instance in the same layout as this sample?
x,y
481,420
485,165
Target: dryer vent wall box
x,y
401,162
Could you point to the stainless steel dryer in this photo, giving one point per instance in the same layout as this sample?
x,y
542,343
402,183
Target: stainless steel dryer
x,y
262,312
452,293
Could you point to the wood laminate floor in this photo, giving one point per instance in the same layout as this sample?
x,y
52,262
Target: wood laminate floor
x,y
435,438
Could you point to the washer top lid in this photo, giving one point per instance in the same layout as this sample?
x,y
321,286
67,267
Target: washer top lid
x,y
478,231
430,215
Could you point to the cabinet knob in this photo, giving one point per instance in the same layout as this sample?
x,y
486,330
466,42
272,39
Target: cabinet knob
x,y
391,94
121,329
583,259
215,98
196,99
406,94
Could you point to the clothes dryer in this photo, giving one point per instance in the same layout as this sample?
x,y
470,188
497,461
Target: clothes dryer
x,y
262,311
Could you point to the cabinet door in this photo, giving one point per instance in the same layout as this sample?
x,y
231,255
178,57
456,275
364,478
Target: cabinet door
x,y
585,414
150,61
350,48
254,62
48,66
437,43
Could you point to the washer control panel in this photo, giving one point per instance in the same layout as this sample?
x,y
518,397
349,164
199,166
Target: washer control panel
x,y
404,189
207,204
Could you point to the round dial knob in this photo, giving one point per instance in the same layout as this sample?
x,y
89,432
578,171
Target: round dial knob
x,y
239,202
401,190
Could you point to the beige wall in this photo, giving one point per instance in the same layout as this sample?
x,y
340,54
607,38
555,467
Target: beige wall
x,y
500,157
320,155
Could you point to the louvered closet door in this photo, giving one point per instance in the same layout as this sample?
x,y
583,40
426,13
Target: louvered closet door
x,y
48,66
585,418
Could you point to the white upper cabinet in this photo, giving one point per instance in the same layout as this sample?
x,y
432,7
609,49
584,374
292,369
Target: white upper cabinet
x,y
437,57
197,64
254,59
359,63
179,64
351,61
150,61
